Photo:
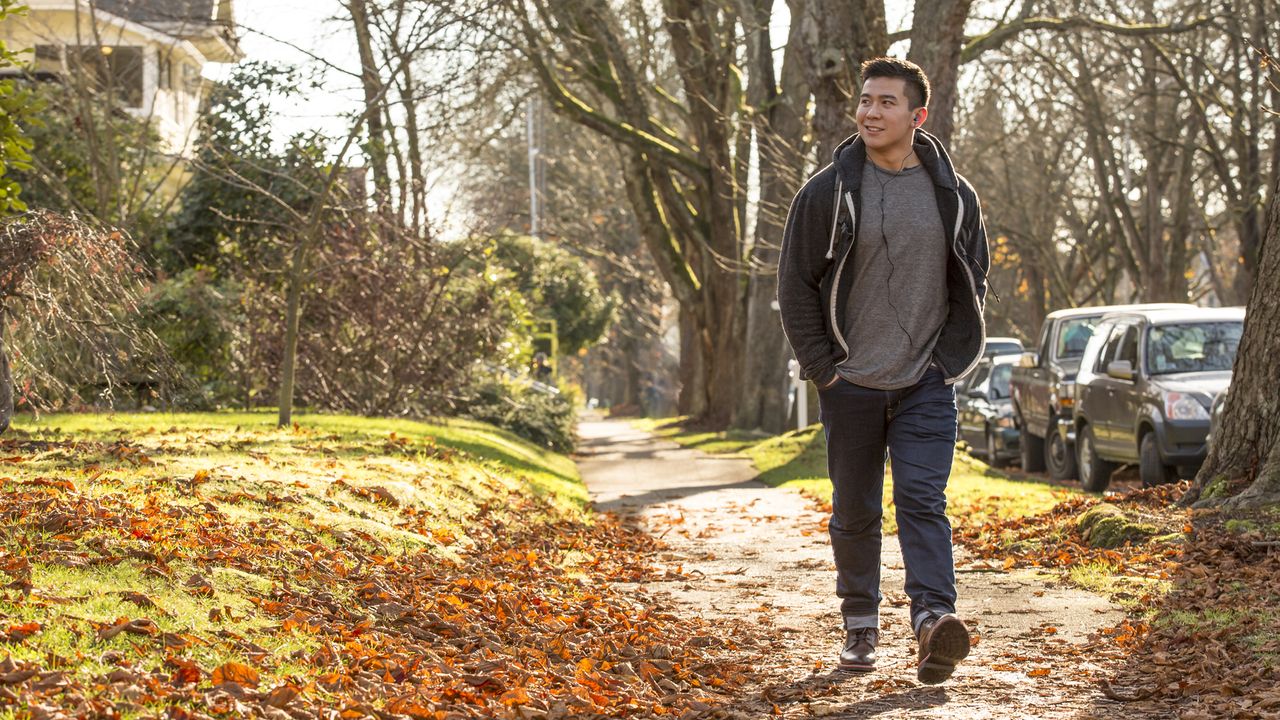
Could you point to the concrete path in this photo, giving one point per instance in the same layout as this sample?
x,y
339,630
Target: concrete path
x,y
757,560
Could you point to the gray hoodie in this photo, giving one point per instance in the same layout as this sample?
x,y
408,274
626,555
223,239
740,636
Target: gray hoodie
x,y
821,227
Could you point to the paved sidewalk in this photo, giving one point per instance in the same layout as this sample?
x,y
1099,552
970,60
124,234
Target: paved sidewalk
x,y
757,559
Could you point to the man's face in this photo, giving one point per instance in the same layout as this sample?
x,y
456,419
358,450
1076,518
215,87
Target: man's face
x,y
884,113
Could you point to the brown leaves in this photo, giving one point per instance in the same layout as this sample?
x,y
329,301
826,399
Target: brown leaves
x,y
518,619
234,672
142,626
22,631
199,586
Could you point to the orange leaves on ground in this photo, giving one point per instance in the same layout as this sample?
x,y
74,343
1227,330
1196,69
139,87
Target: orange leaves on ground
x,y
234,672
22,631
199,586
141,626
523,619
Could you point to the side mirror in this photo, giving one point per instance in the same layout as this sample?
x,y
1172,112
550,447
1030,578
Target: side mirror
x,y
1120,370
1029,359
977,393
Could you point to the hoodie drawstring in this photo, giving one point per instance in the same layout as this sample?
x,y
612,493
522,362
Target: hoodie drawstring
x,y
835,220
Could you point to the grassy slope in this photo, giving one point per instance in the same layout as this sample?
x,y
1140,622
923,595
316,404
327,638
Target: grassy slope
x,y
94,507
244,458
976,492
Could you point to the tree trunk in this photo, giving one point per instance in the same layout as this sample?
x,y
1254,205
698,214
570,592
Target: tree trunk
x,y
780,139
937,37
692,400
371,81
6,381
847,33
1246,446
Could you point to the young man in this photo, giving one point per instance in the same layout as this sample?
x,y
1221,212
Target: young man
x,y
881,285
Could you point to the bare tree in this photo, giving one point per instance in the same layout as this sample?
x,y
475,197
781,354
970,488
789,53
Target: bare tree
x,y
69,298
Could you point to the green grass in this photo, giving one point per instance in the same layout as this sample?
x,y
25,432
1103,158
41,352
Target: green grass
x,y
550,474
189,481
797,460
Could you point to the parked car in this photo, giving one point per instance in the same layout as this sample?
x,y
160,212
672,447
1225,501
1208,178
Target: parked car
x,y
994,346
1002,346
1145,387
986,411
1041,387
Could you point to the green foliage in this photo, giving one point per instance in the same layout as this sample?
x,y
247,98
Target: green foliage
x,y
15,105
93,161
246,192
198,320
560,285
541,418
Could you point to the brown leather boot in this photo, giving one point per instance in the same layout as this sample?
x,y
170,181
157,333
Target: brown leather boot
x,y
859,654
944,642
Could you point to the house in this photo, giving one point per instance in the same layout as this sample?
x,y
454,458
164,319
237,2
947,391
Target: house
x,y
145,56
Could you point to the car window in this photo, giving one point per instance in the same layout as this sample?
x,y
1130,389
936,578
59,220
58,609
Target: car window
x,y
1192,347
1109,349
1044,344
1073,336
1000,382
980,375
1128,349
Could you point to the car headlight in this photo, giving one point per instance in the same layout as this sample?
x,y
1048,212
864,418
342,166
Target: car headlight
x,y
1183,406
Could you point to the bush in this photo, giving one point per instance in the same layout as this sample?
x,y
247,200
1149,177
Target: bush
x,y
539,417
200,321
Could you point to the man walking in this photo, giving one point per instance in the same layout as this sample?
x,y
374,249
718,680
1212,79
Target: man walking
x,y
881,284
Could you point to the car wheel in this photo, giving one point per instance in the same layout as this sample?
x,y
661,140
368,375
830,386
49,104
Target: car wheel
x,y
1059,457
1095,473
1032,451
992,459
1152,471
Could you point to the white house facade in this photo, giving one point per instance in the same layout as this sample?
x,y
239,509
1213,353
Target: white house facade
x,y
144,56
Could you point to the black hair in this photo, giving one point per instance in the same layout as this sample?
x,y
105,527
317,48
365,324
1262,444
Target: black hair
x,y
917,82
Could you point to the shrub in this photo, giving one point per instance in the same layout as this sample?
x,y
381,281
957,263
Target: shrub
x,y
537,416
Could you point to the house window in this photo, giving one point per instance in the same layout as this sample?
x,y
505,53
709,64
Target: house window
x,y
113,69
48,58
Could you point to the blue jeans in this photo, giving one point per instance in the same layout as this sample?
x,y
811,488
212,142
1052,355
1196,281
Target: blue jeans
x,y
917,428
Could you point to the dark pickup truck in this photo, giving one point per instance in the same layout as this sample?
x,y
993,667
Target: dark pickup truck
x,y
1041,386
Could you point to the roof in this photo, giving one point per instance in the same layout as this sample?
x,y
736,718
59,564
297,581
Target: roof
x,y
1100,310
190,11
1184,315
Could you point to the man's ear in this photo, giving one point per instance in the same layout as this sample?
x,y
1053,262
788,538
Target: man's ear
x,y
921,114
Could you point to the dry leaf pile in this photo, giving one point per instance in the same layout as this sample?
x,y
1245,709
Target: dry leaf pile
x,y
1204,642
518,620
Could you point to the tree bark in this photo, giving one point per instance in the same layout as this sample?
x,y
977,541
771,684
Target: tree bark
x,y
848,32
6,381
937,37
371,81
780,141
1246,448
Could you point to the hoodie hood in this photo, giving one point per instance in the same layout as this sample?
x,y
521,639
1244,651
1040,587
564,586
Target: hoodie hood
x,y
850,157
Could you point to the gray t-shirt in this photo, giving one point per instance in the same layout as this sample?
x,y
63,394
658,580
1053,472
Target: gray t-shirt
x,y
898,301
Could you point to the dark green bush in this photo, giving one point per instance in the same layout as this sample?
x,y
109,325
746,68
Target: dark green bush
x,y
541,418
